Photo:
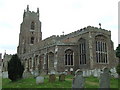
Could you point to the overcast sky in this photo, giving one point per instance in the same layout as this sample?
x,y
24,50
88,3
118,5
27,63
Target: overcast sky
x,y
56,16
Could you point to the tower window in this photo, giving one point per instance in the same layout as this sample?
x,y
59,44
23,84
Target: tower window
x,y
33,25
32,40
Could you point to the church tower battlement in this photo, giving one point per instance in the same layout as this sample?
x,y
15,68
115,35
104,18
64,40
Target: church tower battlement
x,y
30,31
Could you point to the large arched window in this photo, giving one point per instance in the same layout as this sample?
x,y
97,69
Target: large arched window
x,y
33,25
82,50
101,49
69,57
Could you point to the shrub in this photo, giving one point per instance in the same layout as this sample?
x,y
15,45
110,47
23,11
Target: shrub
x,y
15,68
118,68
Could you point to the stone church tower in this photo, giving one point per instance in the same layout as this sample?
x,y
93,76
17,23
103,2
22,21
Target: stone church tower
x,y
30,31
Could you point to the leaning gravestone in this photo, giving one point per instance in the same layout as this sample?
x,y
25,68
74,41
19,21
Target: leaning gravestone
x,y
78,80
52,78
105,79
39,80
62,77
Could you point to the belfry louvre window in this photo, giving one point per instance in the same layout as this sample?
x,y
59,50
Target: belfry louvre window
x,y
32,40
101,52
69,57
33,25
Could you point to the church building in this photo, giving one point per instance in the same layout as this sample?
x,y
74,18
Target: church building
x,y
87,48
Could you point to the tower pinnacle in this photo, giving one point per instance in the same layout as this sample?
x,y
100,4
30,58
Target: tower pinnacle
x,y
27,7
37,10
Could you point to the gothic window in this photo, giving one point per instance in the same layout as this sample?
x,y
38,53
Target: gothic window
x,y
101,50
33,26
69,57
82,50
32,40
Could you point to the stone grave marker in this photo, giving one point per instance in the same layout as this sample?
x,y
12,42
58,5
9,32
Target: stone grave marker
x,y
39,80
104,80
27,74
4,74
114,73
78,80
62,77
52,78
42,73
36,73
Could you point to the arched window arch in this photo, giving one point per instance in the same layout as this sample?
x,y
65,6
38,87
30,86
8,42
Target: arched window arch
x,y
68,57
101,49
32,40
33,25
82,51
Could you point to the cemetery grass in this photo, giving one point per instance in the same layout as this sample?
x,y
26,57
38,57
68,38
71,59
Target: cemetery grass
x,y
90,82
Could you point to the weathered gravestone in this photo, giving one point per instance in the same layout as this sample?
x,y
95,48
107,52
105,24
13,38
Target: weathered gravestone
x,y
62,77
4,74
36,73
78,80
27,74
104,80
52,78
114,72
39,80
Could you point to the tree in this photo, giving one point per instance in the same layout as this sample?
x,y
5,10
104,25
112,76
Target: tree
x,y
118,55
15,68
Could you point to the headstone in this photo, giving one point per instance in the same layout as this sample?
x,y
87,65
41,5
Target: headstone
x,y
99,72
71,70
27,74
114,73
105,79
52,78
78,80
4,74
42,73
95,74
36,73
39,80
65,73
52,72
62,77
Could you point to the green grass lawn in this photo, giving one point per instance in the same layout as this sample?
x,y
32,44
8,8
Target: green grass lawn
x,y
90,82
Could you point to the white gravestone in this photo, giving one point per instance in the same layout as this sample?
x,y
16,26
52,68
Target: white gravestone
x,y
39,80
